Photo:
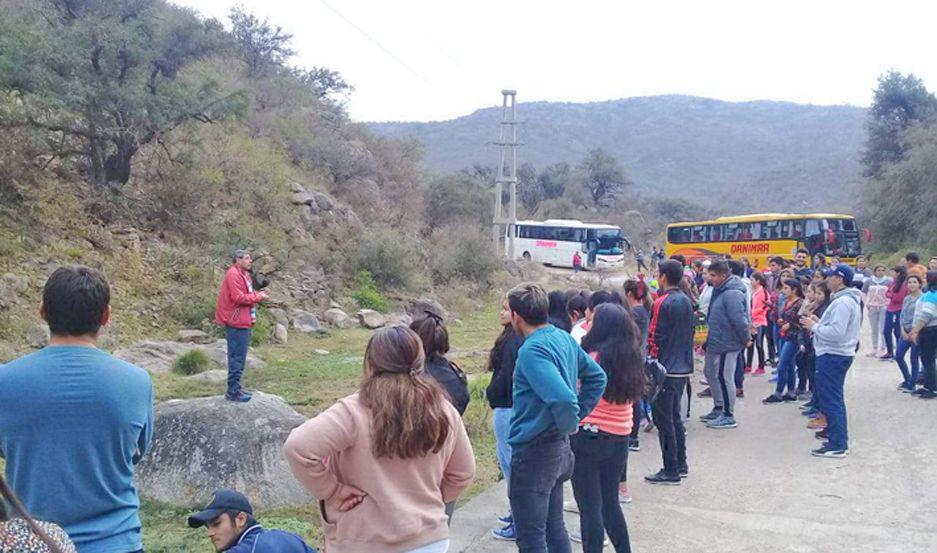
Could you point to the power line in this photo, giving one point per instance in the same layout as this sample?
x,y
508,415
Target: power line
x,y
375,42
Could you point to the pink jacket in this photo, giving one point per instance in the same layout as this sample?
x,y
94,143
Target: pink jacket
x,y
236,300
896,299
405,503
760,307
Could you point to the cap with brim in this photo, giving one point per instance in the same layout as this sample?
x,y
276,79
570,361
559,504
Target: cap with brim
x,y
843,271
223,501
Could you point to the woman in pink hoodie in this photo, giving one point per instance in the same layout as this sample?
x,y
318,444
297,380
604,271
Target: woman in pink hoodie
x,y
760,301
385,461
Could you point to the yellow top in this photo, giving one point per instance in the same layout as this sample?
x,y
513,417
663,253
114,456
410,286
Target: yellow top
x,y
764,217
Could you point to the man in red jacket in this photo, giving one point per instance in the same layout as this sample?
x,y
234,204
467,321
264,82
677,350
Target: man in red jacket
x,y
237,312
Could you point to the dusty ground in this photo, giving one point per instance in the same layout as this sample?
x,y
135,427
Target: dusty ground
x,y
756,488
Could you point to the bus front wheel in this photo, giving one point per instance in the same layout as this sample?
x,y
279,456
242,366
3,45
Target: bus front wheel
x,y
526,256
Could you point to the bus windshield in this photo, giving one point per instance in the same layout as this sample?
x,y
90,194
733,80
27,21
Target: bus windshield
x,y
609,240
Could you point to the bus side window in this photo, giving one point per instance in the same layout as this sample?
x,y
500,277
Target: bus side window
x,y
812,227
784,229
797,229
715,233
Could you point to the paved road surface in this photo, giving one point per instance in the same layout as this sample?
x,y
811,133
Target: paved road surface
x,y
756,488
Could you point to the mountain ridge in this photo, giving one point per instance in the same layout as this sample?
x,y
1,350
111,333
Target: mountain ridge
x,y
698,149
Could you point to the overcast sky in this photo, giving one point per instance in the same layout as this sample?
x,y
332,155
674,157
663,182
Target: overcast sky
x,y
428,60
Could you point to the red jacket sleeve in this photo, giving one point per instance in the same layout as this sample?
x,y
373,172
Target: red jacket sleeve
x,y
238,291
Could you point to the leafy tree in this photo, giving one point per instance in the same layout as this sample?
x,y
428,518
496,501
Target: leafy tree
x,y
553,179
105,77
323,82
529,191
261,45
603,176
456,199
899,101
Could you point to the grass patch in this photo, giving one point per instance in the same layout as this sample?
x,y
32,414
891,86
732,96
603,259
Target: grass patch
x,y
190,362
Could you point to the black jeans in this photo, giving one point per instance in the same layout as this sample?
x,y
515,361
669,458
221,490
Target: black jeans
x,y
758,341
927,340
600,459
806,367
670,424
538,470
769,335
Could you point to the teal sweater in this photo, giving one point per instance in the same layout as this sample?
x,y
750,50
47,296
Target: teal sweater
x,y
549,367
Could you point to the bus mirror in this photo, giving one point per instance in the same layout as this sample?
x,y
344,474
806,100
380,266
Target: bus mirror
x,y
868,234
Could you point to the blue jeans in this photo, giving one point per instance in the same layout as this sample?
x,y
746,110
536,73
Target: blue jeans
x,y
831,377
501,421
538,470
786,367
903,346
600,460
892,330
239,339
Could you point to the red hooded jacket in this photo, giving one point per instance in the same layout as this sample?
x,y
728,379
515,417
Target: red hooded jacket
x,y
236,299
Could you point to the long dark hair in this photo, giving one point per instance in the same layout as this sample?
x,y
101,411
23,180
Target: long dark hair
x,y
10,498
433,333
900,278
494,356
408,417
796,286
614,338
559,316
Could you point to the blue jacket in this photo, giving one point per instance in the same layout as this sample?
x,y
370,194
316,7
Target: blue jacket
x,y
549,367
257,540
729,318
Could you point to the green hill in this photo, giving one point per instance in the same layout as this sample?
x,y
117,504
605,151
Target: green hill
x,y
728,156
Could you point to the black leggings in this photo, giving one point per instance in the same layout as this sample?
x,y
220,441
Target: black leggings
x,y
758,341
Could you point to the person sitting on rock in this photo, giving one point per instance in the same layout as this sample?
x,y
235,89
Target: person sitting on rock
x,y
229,521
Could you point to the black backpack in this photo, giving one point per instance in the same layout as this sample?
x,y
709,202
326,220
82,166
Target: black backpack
x,y
654,376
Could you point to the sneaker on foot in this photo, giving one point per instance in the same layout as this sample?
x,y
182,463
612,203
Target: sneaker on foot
x,y
712,415
818,423
661,477
739,392
707,392
927,394
634,445
241,397
789,398
723,422
772,400
908,389
919,391
683,471
760,371
508,533
576,537
624,494
826,451
748,370
571,507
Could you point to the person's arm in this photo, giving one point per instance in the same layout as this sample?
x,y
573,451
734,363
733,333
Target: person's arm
x,y
146,433
310,443
546,382
834,324
460,470
663,330
738,315
592,381
238,291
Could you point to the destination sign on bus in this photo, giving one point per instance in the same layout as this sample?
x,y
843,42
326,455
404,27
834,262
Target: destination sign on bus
x,y
763,247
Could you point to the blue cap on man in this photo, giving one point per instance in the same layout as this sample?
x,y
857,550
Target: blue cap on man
x,y
841,270
223,501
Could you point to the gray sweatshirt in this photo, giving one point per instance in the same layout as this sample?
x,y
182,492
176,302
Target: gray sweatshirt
x,y
837,333
907,312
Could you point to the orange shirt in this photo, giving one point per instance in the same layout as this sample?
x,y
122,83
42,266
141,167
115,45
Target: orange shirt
x,y
613,418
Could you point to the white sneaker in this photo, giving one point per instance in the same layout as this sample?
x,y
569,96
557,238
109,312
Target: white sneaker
x,y
571,507
576,537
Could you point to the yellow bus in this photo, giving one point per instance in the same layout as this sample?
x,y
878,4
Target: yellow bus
x,y
762,236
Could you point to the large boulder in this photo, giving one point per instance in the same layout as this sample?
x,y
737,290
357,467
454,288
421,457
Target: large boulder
x,y
158,357
200,445
368,318
279,315
305,321
17,283
214,376
38,335
280,335
337,318
420,306
193,336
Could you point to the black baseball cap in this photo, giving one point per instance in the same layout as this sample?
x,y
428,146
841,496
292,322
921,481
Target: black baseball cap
x,y
224,500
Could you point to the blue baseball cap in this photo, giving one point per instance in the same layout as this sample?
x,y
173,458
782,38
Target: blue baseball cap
x,y
841,270
224,500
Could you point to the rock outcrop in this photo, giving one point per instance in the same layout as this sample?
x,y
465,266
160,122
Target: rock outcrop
x,y
38,335
368,318
200,445
337,318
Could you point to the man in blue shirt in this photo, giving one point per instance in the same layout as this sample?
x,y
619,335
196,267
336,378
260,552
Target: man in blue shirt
x,y
229,520
74,421
547,409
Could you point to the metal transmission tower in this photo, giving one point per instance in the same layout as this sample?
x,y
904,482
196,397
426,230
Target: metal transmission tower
x,y
507,173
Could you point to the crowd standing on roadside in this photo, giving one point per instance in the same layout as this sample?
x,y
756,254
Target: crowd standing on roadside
x,y
575,375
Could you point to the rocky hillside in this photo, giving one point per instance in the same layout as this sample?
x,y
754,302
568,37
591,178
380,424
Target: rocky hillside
x,y
750,155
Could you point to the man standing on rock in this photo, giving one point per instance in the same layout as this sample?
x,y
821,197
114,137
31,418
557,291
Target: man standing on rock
x,y
237,312
547,409
75,421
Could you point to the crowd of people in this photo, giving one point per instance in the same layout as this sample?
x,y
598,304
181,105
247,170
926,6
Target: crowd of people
x,y
574,375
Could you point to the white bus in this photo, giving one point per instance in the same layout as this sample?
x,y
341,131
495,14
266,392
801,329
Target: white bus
x,y
554,241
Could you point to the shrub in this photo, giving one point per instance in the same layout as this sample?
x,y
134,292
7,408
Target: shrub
x,y
263,328
366,294
462,253
390,256
189,363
